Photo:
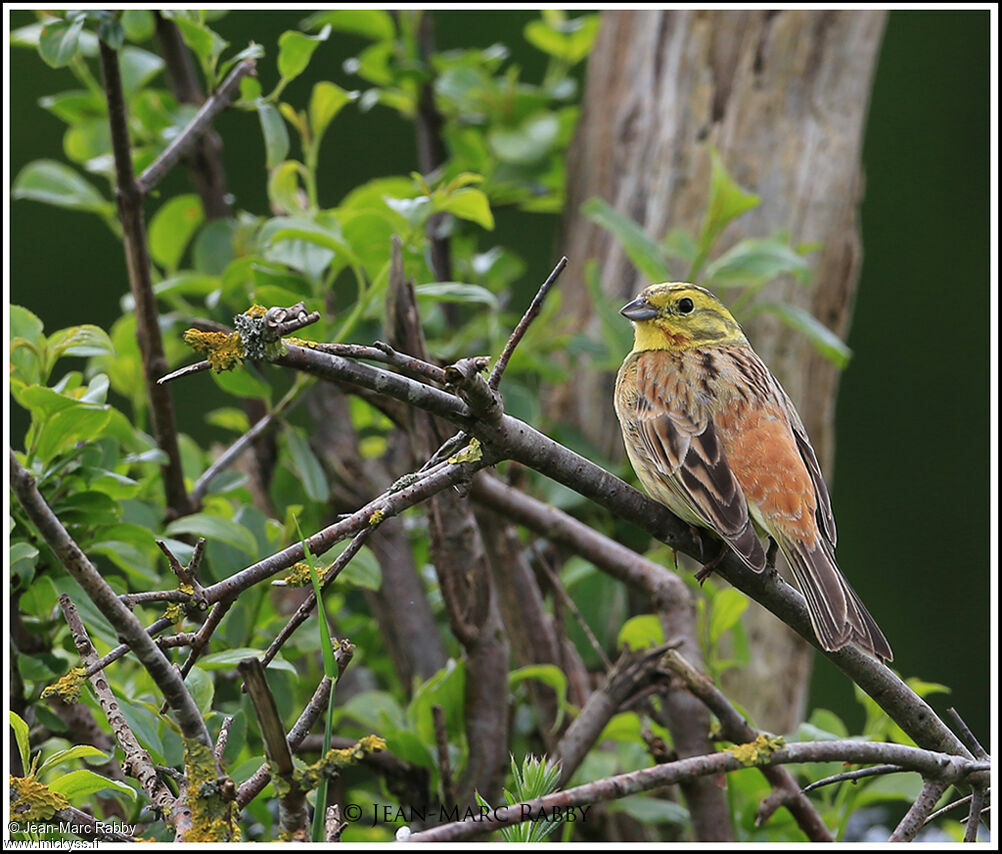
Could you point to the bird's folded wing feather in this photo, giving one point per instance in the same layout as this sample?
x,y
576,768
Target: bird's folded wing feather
x,y
680,443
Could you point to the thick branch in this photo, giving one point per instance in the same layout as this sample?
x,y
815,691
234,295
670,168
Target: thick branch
x,y
943,767
129,629
130,212
514,439
914,819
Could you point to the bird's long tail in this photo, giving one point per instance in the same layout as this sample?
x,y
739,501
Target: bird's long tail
x,y
837,614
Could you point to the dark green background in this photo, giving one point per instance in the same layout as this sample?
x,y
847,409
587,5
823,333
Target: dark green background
x,y
912,481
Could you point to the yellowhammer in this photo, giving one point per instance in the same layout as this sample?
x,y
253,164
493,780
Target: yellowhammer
x,y
713,436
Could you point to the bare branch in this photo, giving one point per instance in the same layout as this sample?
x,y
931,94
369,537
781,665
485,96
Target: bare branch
x,y
736,729
858,774
293,818
129,629
138,763
223,738
309,603
185,141
122,649
442,750
513,439
966,735
945,768
519,331
130,211
974,816
915,818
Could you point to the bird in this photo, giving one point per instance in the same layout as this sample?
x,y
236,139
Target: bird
x,y
713,436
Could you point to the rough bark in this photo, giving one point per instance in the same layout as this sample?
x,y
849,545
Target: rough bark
x,y
782,95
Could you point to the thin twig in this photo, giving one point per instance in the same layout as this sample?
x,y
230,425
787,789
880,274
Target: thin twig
x,y
223,738
231,454
974,816
187,370
383,352
122,649
309,603
568,602
966,735
130,212
138,763
200,639
530,315
925,803
183,143
858,774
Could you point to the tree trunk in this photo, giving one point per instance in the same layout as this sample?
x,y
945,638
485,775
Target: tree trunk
x,y
782,95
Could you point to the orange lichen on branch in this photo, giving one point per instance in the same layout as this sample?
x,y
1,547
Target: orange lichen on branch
x,y
223,350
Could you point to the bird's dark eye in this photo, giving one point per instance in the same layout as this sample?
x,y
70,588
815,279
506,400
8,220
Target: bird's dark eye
x,y
685,305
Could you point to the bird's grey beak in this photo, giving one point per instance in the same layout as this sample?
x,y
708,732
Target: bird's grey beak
x,y
639,309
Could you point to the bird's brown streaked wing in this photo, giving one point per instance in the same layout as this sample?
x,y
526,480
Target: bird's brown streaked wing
x,y
681,444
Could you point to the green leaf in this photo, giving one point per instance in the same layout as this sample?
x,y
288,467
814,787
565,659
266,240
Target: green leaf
x,y
80,751
111,32
79,784
641,632
25,324
202,689
276,135
59,40
204,42
306,465
643,252
527,143
138,68
826,342
650,810
372,24
139,24
21,736
468,203
727,202
242,383
548,674
57,184
22,559
570,42
284,188
84,340
172,227
363,570
456,292
728,606
754,260
215,528
77,424
295,50
326,102
230,658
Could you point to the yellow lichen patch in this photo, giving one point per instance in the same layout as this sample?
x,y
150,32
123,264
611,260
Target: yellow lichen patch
x,y
299,575
67,687
33,801
210,812
470,454
174,612
758,751
336,759
223,350
715,732
300,342
256,311
377,517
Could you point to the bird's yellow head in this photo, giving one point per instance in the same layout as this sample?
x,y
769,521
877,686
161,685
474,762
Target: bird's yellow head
x,y
679,316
